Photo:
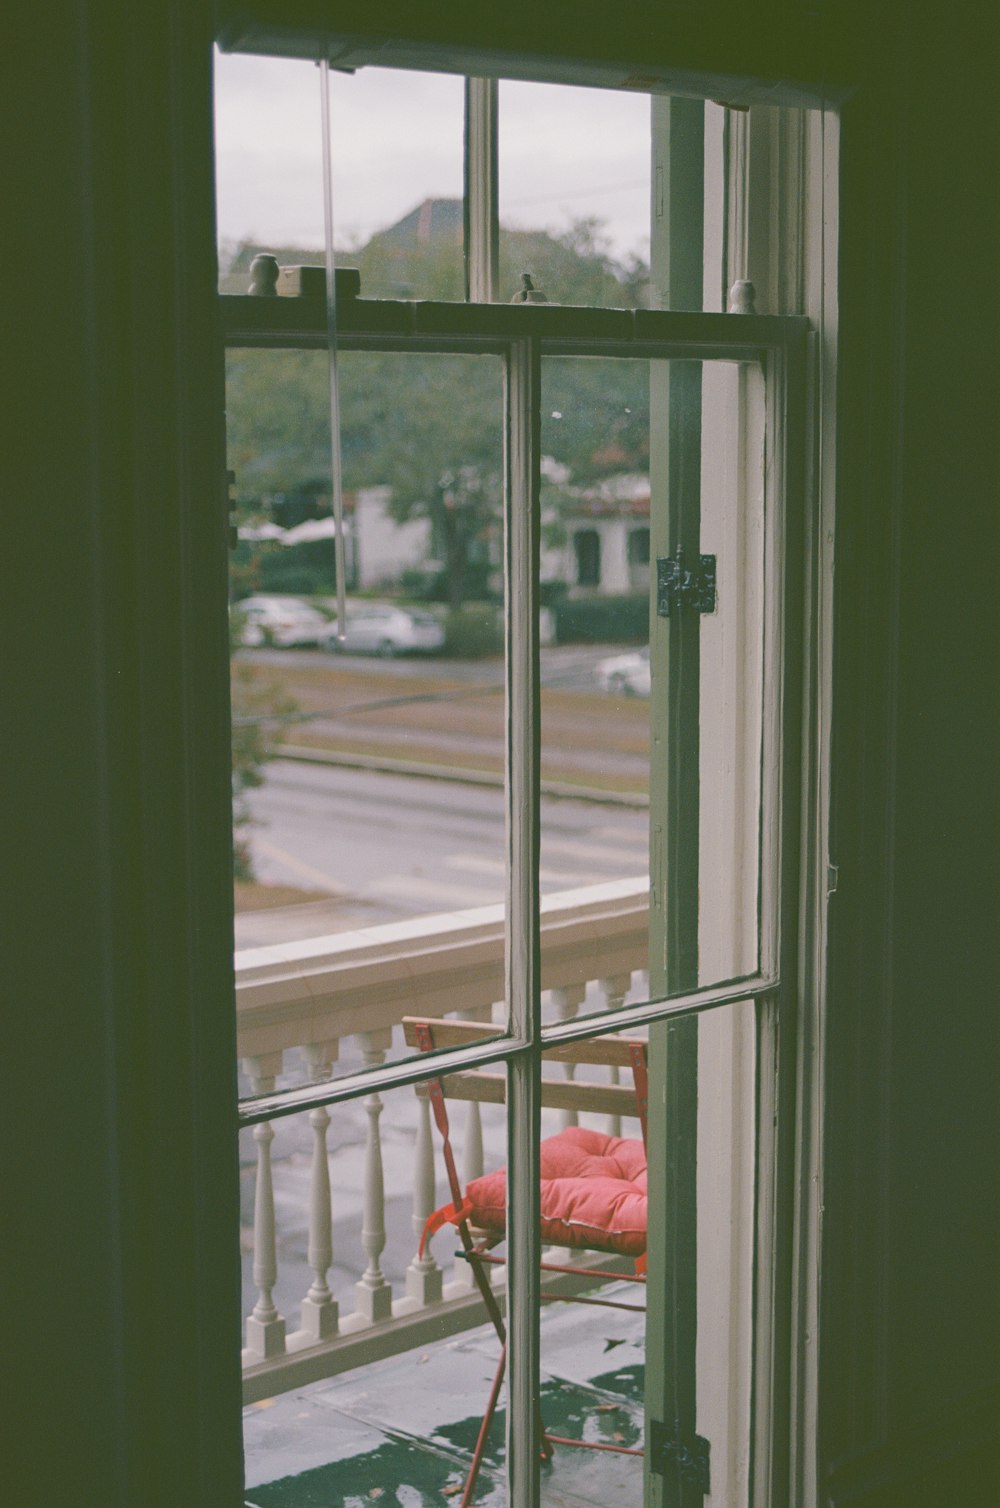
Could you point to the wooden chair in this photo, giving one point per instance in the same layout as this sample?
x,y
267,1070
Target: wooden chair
x,y
595,1199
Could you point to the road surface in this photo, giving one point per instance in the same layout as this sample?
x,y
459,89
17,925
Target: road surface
x,y
384,847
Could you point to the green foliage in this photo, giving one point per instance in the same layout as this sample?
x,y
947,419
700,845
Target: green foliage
x,y
473,632
277,420
572,268
304,570
244,569
257,706
602,620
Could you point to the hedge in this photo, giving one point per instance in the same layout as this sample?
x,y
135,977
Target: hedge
x,y
473,632
602,620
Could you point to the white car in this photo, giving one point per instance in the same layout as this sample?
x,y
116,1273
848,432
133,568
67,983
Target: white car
x,y
625,675
376,628
279,621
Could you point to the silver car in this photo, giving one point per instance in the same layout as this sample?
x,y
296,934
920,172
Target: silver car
x,y
626,675
376,628
282,622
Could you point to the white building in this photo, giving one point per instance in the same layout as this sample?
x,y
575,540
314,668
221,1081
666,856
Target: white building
x,y
605,529
383,547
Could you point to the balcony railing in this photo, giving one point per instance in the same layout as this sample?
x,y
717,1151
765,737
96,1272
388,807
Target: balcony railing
x,y
297,1004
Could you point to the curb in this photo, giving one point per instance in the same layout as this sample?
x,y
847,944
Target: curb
x,y
298,754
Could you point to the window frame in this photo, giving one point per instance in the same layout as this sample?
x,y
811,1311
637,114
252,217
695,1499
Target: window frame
x,y
521,335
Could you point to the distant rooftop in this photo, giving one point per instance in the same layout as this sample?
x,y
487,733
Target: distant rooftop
x,y
431,220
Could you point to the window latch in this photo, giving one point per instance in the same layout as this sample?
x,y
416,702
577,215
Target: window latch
x,y
686,1458
679,585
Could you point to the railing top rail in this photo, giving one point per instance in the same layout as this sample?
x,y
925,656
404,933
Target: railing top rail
x,y
321,989
312,956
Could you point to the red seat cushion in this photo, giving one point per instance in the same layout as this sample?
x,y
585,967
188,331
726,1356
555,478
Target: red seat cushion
x,y
593,1193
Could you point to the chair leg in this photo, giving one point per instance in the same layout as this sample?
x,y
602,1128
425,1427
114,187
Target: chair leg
x,y
493,1309
486,1293
484,1429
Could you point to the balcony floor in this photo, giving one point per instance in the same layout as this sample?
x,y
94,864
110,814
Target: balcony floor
x,y
400,1432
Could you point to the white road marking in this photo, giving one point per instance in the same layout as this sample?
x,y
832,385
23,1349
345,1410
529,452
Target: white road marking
x,y
635,837
601,852
299,867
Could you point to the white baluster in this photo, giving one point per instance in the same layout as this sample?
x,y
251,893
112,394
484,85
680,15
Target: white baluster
x,y
566,1002
472,1142
614,991
423,1276
472,1167
320,1310
265,1326
374,1293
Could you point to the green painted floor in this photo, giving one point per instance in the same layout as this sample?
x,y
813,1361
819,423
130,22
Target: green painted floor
x,y
400,1433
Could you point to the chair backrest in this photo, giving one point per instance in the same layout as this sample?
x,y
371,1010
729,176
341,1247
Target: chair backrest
x,y
559,1094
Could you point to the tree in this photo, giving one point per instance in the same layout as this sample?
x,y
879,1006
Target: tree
x,y
255,704
431,427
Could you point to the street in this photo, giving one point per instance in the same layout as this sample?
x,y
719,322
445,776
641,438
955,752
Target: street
x,y
568,665
381,847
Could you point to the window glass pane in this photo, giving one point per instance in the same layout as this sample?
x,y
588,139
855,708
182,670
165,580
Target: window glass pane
x,y
702,1234
397,140
574,193
406,1352
398,181
605,504
595,683
334,1207
268,163
368,775
593,1353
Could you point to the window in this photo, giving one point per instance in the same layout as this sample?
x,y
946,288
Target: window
x,y
638,558
587,543
716,916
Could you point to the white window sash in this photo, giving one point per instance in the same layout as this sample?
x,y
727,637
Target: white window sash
x,y
522,334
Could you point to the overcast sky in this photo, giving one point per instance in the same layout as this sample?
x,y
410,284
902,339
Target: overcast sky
x,y
564,153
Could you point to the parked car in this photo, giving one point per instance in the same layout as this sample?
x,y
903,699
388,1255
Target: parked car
x,y
625,675
375,628
279,621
